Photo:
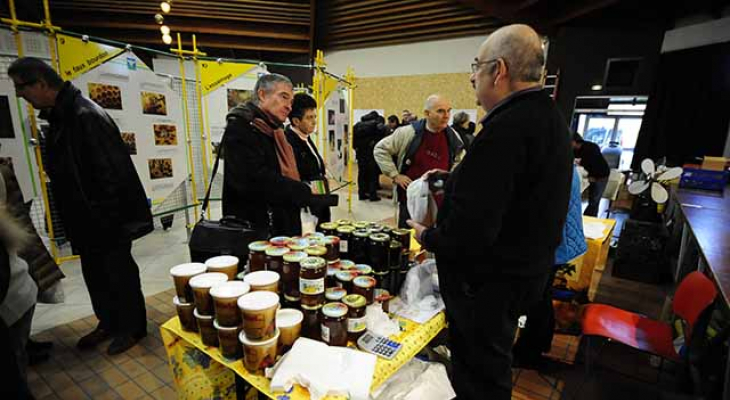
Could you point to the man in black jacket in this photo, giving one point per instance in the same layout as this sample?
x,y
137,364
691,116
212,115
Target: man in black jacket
x,y
588,155
503,213
366,134
100,199
261,181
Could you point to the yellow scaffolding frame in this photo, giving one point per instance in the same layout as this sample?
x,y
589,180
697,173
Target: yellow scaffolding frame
x,y
188,133
318,90
47,26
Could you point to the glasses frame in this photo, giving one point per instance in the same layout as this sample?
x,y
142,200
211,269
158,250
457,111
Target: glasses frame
x,y
475,65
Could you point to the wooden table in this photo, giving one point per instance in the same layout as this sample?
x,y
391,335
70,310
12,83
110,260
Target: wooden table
x,y
707,220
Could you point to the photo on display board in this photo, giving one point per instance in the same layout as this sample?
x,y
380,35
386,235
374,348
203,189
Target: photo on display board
x,y
342,106
238,96
106,96
154,103
165,134
331,117
339,148
6,121
130,140
160,168
332,140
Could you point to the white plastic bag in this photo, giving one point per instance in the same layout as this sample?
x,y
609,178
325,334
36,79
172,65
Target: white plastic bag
x,y
421,205
417,380
419,298
309,221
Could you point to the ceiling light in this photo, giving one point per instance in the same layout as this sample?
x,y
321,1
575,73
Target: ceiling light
x,y
596,87
159,19
167,39
165,7
165,29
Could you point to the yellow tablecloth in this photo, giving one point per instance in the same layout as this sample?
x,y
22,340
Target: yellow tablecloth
x,y
201,372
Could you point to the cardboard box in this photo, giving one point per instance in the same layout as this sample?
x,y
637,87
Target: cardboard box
x,y
714,163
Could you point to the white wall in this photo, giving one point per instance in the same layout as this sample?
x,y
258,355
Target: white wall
x,y
433,57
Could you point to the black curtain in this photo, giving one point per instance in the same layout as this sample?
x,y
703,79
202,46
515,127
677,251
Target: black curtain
x,y
688,111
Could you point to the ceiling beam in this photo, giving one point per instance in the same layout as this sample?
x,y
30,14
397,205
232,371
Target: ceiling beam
x,y
182,25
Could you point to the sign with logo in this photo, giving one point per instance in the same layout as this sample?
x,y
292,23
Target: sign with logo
x,y
215,74
76,56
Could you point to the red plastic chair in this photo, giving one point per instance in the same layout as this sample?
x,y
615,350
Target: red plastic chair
x,y
693,296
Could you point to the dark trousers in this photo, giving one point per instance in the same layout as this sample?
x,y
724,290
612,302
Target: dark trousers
x,y
482,323
368,173
595,192
403,214
537,336
112,278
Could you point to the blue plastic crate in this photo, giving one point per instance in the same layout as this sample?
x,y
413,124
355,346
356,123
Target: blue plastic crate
x,y
695,178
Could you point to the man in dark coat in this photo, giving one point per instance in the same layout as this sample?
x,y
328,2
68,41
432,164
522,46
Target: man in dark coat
x,y
261,181
366,134
588,155
100,199
503,213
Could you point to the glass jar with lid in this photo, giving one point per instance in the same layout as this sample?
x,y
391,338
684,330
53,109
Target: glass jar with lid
x,y
378,249
344,232
328,228
334,324
311,324
275,258
364,286
311,280
257,255
332,244
290,275
359,246
356,320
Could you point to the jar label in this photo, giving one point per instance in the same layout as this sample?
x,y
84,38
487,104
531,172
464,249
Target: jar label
x,y
325,333
343,246
356,324
311,286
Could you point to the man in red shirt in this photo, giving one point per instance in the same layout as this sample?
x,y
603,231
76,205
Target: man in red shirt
x,y
419,147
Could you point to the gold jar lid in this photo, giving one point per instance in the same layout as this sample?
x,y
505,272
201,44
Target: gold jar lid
x,y
295,256
330,226
346,229
380,237
316,251
275,251
361,233
355,300
313,263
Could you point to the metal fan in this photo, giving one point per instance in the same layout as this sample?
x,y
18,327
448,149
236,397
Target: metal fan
x,y
652,178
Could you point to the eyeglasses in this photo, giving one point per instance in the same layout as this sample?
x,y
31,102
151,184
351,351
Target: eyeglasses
x,y
21,86
475,66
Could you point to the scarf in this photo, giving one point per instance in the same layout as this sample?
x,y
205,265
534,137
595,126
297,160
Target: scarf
x,y
284,151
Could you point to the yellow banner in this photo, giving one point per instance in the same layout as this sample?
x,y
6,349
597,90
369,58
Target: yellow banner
x,y
215,74
77,57
330,84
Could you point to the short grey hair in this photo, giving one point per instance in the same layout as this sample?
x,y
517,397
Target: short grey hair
x,y
266,83
521,49
430,100
460,118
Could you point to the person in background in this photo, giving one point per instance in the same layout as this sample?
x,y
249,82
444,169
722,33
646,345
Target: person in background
x,y
417,148
19,294
537,336
366,134
464,127
100,199
393,124
406,117
261,180
612,154
41,266
495,238
588,155
303,119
